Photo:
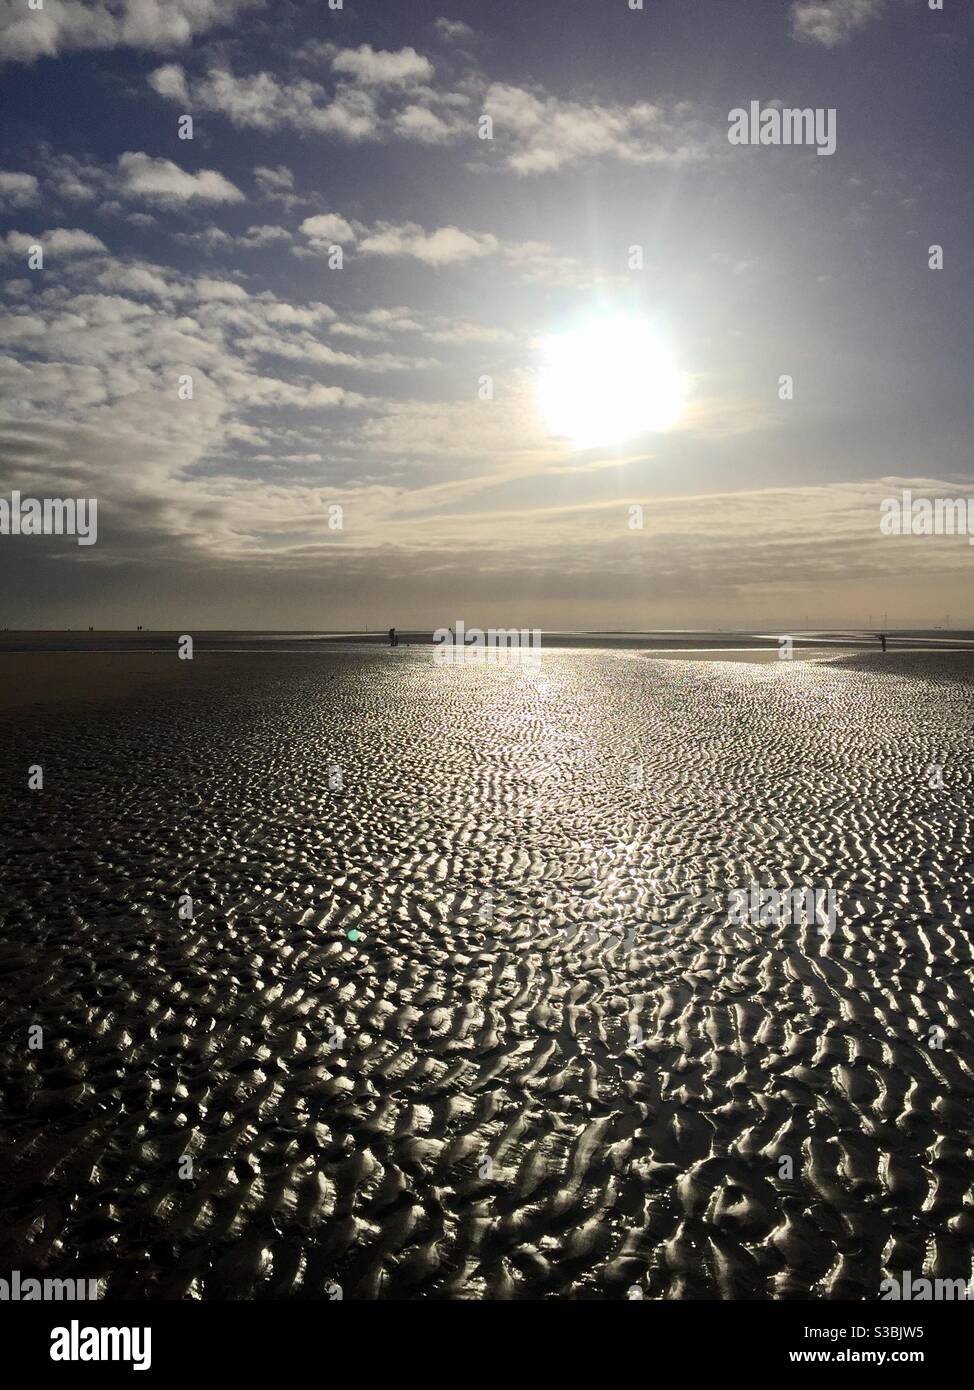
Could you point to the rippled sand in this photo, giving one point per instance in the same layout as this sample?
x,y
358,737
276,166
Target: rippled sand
x,y
543,1064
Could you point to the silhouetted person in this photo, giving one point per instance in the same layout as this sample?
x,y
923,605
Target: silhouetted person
x,y
393,639
882,639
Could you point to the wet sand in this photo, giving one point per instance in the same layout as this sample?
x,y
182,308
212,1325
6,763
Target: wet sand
x,y
41,666
45,677
39,677
455,1016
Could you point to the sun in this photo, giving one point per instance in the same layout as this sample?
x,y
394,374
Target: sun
x,y
607,381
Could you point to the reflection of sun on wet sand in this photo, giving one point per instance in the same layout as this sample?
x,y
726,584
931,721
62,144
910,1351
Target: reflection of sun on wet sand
x,y
470,1019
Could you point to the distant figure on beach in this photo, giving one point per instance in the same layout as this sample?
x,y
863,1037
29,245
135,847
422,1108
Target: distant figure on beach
x,y
393,638
882,639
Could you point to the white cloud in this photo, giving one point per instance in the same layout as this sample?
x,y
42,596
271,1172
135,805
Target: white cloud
x,y
17,190
379,323
223,290
352,114
445,246
454,31
455,429
160,180
269,391
274,183
377,68
263,236
287,315
325,229
542,263
61,241
398,320
256,101
831,22
463,332
419,123
64,25
170,81
406,240
542,133
90,378
386,96
305,347
138,279
78,180
262,102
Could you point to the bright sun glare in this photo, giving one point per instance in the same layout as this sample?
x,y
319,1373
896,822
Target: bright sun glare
x,y
608,381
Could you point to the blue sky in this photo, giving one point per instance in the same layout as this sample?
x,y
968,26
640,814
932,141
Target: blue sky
x,y
361,386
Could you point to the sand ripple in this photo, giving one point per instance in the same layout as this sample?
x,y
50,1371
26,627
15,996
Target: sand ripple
x,y
543,1063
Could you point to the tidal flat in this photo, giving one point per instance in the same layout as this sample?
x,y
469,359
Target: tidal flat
x,y
428,974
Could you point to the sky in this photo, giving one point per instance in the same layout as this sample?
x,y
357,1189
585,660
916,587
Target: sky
x,y
402,385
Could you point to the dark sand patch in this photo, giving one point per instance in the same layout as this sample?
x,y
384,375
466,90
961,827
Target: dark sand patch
x,y
31,678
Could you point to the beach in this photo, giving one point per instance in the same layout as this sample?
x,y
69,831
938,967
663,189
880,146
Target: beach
x,y
428,971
